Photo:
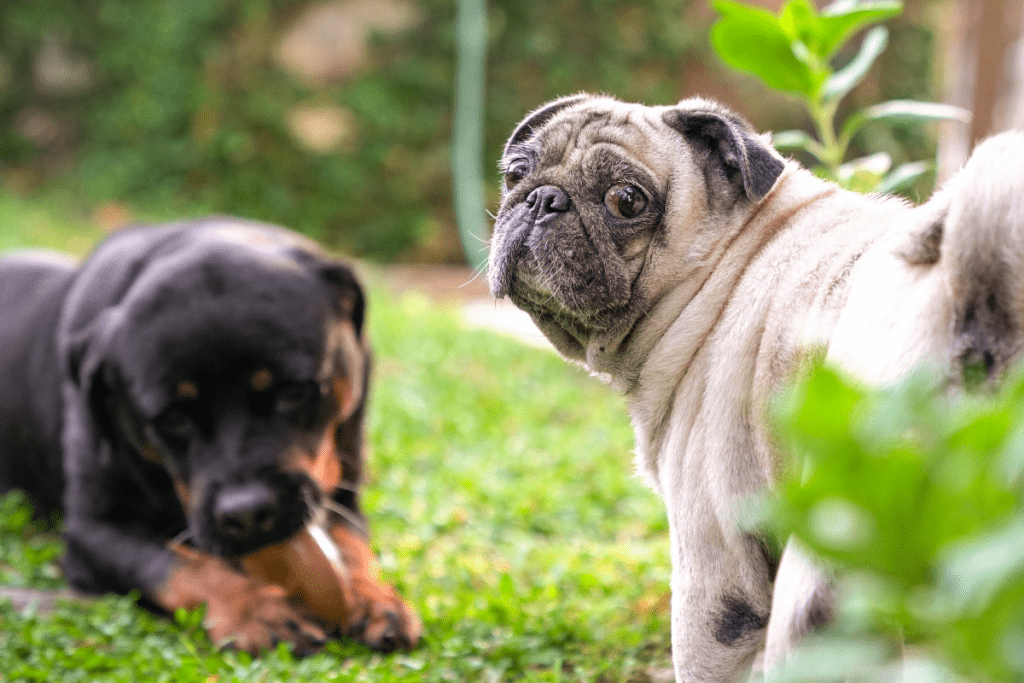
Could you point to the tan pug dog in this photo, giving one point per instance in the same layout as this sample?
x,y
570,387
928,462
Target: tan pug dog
x,y
675,252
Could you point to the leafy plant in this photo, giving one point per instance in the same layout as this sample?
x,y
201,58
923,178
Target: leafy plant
x,y
185,110
920,501
793,52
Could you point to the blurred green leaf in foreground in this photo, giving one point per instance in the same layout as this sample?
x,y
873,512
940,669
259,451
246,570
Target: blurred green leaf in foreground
x,y
917,501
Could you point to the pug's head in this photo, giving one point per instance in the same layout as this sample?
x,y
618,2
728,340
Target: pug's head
x,y
609,206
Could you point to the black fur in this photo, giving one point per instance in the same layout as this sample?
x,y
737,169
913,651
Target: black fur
x,y
820,612
730,150
538,118
737,620
985,332
91,357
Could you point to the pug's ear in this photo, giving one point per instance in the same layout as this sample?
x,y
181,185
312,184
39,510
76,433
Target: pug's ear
x,y
538,117
728,146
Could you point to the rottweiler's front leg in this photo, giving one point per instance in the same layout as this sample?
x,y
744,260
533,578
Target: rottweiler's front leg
x,y
335,578
378,616
241,612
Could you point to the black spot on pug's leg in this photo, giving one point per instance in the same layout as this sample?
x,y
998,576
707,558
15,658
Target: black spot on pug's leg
x,y
737,620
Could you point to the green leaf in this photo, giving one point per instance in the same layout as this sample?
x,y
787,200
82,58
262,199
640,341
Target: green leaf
x,y
832,658
740,10
819,70
798,139
800,21
865,173
971,571
827,406
792,139
839,21
903,110
843,81
752,40
903,176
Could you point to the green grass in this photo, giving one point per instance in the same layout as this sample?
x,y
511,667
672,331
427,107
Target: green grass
x,y
25,223
502,505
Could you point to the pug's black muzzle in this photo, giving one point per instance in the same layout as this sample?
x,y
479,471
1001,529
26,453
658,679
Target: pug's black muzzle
x,y
550,266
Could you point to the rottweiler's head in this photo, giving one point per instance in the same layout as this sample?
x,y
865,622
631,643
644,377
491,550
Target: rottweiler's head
x,y
234,362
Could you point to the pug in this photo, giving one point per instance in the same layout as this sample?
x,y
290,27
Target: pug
x,y
672,251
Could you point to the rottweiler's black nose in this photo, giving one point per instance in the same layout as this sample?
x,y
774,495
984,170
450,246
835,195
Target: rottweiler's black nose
x,y
244,509
549,199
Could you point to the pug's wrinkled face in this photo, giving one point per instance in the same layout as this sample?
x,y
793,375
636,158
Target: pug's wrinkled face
x,y
578,215
596,194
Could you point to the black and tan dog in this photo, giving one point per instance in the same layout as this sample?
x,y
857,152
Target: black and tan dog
x,y
203,381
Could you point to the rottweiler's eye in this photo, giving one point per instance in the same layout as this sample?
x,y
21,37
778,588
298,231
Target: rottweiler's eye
x,y
294,396
174,424
625,201
515,172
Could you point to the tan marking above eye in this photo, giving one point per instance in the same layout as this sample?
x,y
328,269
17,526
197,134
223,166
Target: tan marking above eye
x,y
347,382
150,452
187,390
261,380
184,493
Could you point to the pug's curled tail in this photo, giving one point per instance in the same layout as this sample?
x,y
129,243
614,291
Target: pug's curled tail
x,y
975,235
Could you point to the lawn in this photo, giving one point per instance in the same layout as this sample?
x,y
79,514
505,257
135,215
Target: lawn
x,y
502,503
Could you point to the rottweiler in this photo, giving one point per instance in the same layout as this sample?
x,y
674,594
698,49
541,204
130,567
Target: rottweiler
x,y
191,393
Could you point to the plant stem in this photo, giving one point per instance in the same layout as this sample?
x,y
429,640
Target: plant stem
x,y
823,115
468,130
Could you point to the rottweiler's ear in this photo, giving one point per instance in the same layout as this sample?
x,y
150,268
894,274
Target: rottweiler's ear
x,y
77,352
727,145
538,117
85,350
85,355
350,360
348,297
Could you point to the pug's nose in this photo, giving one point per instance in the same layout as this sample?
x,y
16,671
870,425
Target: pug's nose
x,y
244,509
549,199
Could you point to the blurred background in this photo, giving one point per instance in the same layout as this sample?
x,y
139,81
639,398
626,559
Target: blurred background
x,y
335,117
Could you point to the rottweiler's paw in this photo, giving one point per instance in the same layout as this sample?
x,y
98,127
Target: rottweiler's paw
x,y
258,619
385,622
378,617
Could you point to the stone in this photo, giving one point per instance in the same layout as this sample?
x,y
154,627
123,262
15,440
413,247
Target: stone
x,y
323,129
329,41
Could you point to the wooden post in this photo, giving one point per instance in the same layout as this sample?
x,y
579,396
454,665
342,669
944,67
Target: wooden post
x,y
985,73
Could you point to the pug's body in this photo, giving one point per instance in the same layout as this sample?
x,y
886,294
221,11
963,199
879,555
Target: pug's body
x,y
672,250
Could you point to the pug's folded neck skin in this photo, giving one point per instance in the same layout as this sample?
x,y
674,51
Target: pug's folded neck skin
x,y
673,251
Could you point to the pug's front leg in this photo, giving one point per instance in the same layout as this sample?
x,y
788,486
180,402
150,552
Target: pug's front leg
x,y
802,601
720,600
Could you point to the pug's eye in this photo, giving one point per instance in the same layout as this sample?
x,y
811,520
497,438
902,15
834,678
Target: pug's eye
x,y
514,173
625,201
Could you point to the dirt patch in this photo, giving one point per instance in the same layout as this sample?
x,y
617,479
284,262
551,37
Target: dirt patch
x,y
461,288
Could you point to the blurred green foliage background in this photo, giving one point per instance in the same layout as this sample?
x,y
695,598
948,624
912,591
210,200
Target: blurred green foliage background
x,y
335,117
